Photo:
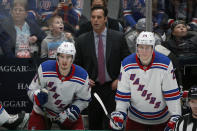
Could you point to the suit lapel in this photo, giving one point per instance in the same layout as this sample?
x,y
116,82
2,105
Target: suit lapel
x,y
108,45
92,47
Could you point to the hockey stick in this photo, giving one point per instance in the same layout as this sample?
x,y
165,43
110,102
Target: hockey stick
x,y
104,108
35,57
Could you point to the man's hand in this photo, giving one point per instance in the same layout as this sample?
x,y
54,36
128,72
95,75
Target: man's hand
x,y
118,120
71,113
41,97
91,83
114,85
32,39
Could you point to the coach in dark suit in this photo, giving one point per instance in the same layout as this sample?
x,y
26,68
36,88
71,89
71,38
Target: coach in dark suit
x,y
111,23
100,52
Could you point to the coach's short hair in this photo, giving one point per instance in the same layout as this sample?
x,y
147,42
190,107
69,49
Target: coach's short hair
x,y
104,2
100,7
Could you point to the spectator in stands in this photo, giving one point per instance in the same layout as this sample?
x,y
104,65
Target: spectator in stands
x,y
69,10
5,6
182,42
55,37
25,36
189,121
133,10
100,52
4,37
183,9
132,35
5,9
111,23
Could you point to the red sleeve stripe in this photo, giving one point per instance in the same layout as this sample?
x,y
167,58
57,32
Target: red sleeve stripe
x,y
160,65
79,79
172,94
130,65
123,96
49,73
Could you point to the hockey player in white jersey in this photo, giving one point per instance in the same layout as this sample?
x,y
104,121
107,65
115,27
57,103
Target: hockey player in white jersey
x,y
62,94
147,90
13,122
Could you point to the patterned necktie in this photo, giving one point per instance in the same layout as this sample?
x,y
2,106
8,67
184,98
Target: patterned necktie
x,y
101,61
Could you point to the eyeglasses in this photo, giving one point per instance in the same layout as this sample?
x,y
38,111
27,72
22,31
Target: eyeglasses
x,y
18,10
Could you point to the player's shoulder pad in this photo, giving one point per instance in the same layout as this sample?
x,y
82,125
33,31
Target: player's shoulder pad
x,y
80,72
129,60
49,65
161,58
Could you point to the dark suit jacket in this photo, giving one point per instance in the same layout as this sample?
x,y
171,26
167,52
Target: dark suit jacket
x,y
116,50
9,45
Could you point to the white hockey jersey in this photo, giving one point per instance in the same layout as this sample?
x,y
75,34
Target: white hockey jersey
x,y
4,116
62,91
150,94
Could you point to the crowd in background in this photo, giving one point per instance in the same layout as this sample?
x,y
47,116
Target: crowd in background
x,y
28,26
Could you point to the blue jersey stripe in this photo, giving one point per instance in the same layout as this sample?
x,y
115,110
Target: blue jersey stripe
x,y
125,100
131,68
84,100
1,110
148,113
159,67
172,98
123,93
141,117
171,91
137,113
50,76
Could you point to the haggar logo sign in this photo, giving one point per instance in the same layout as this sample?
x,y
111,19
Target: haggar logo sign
x,y
14,104
15,77
22,86
14,68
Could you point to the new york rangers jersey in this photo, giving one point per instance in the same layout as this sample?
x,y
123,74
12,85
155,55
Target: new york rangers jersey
x,y
133,10
42,9
62,91
150,93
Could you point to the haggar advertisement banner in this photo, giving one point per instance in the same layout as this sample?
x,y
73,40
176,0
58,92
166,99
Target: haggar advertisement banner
x,y
15,77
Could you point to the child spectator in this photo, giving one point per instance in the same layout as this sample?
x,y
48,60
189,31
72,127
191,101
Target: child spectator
x,y
56,36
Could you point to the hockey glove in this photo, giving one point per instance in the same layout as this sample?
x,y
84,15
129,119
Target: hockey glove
x,y
71,113
171,124
118,120
41,97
